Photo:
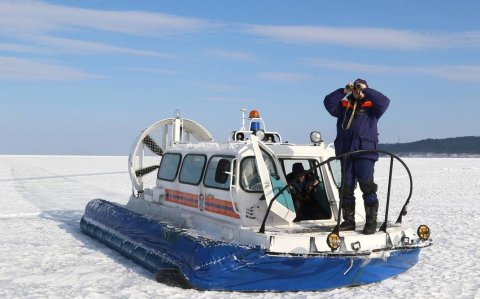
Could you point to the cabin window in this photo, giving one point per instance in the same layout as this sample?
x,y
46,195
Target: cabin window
x,y
209,180
336,170
169,167
192,169
249,178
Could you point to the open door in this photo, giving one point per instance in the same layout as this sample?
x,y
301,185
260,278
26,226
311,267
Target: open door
x,y
283,205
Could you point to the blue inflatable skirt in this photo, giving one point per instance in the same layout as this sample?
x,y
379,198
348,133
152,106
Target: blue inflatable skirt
x,y
216,265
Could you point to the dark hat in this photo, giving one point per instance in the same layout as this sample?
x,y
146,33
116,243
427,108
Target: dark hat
x,y
360,81
297,168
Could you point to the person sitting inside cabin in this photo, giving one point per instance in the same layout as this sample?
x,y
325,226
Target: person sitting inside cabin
x,y
303,190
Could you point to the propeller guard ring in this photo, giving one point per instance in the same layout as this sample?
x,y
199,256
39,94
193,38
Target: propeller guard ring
x,y
161,133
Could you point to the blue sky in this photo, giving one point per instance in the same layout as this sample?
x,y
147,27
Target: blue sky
x,y
85,77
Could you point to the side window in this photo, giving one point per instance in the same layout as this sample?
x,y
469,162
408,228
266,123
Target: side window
x,y
169,167
192,169
249,178
336,169
270,164
209,180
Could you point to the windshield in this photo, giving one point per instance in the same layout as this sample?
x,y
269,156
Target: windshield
x,y
249,177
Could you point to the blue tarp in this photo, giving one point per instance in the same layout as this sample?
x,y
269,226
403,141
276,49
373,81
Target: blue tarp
x,y
217,265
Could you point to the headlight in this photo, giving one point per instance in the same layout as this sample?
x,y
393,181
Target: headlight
x,y
333,241
315,137
239,136
423,232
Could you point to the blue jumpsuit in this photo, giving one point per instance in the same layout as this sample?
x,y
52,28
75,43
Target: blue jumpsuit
x,y
361,134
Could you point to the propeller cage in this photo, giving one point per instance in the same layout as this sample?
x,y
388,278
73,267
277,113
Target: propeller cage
x,y
149,146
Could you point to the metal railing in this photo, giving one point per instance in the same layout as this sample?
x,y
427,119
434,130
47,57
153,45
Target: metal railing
x,y
343,158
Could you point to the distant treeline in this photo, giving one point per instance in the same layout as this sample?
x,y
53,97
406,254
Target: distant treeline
x,y
457,145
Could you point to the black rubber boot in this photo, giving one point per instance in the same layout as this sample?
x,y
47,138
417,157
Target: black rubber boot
x,y
370,219
348,217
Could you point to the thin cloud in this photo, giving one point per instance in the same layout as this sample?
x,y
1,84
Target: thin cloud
x,y
221,88
85,47
368,37
228,100
23,19
235,55
36,16
466,73
19,48
283,76
353,66
38,22
152,70
12,68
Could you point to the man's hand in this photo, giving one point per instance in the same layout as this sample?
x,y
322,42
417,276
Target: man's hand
x,y
313,185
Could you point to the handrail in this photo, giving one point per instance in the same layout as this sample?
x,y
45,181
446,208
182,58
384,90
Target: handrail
x,y
232,175
344,157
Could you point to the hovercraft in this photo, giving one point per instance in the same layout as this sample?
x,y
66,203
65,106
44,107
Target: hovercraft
x,y
220,216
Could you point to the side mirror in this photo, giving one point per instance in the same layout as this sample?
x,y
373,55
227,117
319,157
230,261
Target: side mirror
x,y
222,171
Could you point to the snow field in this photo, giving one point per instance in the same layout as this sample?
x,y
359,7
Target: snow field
x,y
43,254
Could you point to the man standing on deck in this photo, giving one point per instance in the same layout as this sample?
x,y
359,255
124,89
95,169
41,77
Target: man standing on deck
x,y
357,109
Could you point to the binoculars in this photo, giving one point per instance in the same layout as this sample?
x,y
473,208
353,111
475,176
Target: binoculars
x,y
357,86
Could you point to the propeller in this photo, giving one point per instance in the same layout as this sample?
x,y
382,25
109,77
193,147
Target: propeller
x,y
152,145
146,170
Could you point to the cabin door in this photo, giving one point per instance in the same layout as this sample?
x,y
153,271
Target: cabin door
x,y
283,204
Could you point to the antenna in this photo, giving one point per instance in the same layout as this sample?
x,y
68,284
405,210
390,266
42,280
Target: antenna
x,y
243,119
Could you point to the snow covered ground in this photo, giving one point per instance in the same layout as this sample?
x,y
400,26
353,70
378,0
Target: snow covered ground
x,y
43,253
